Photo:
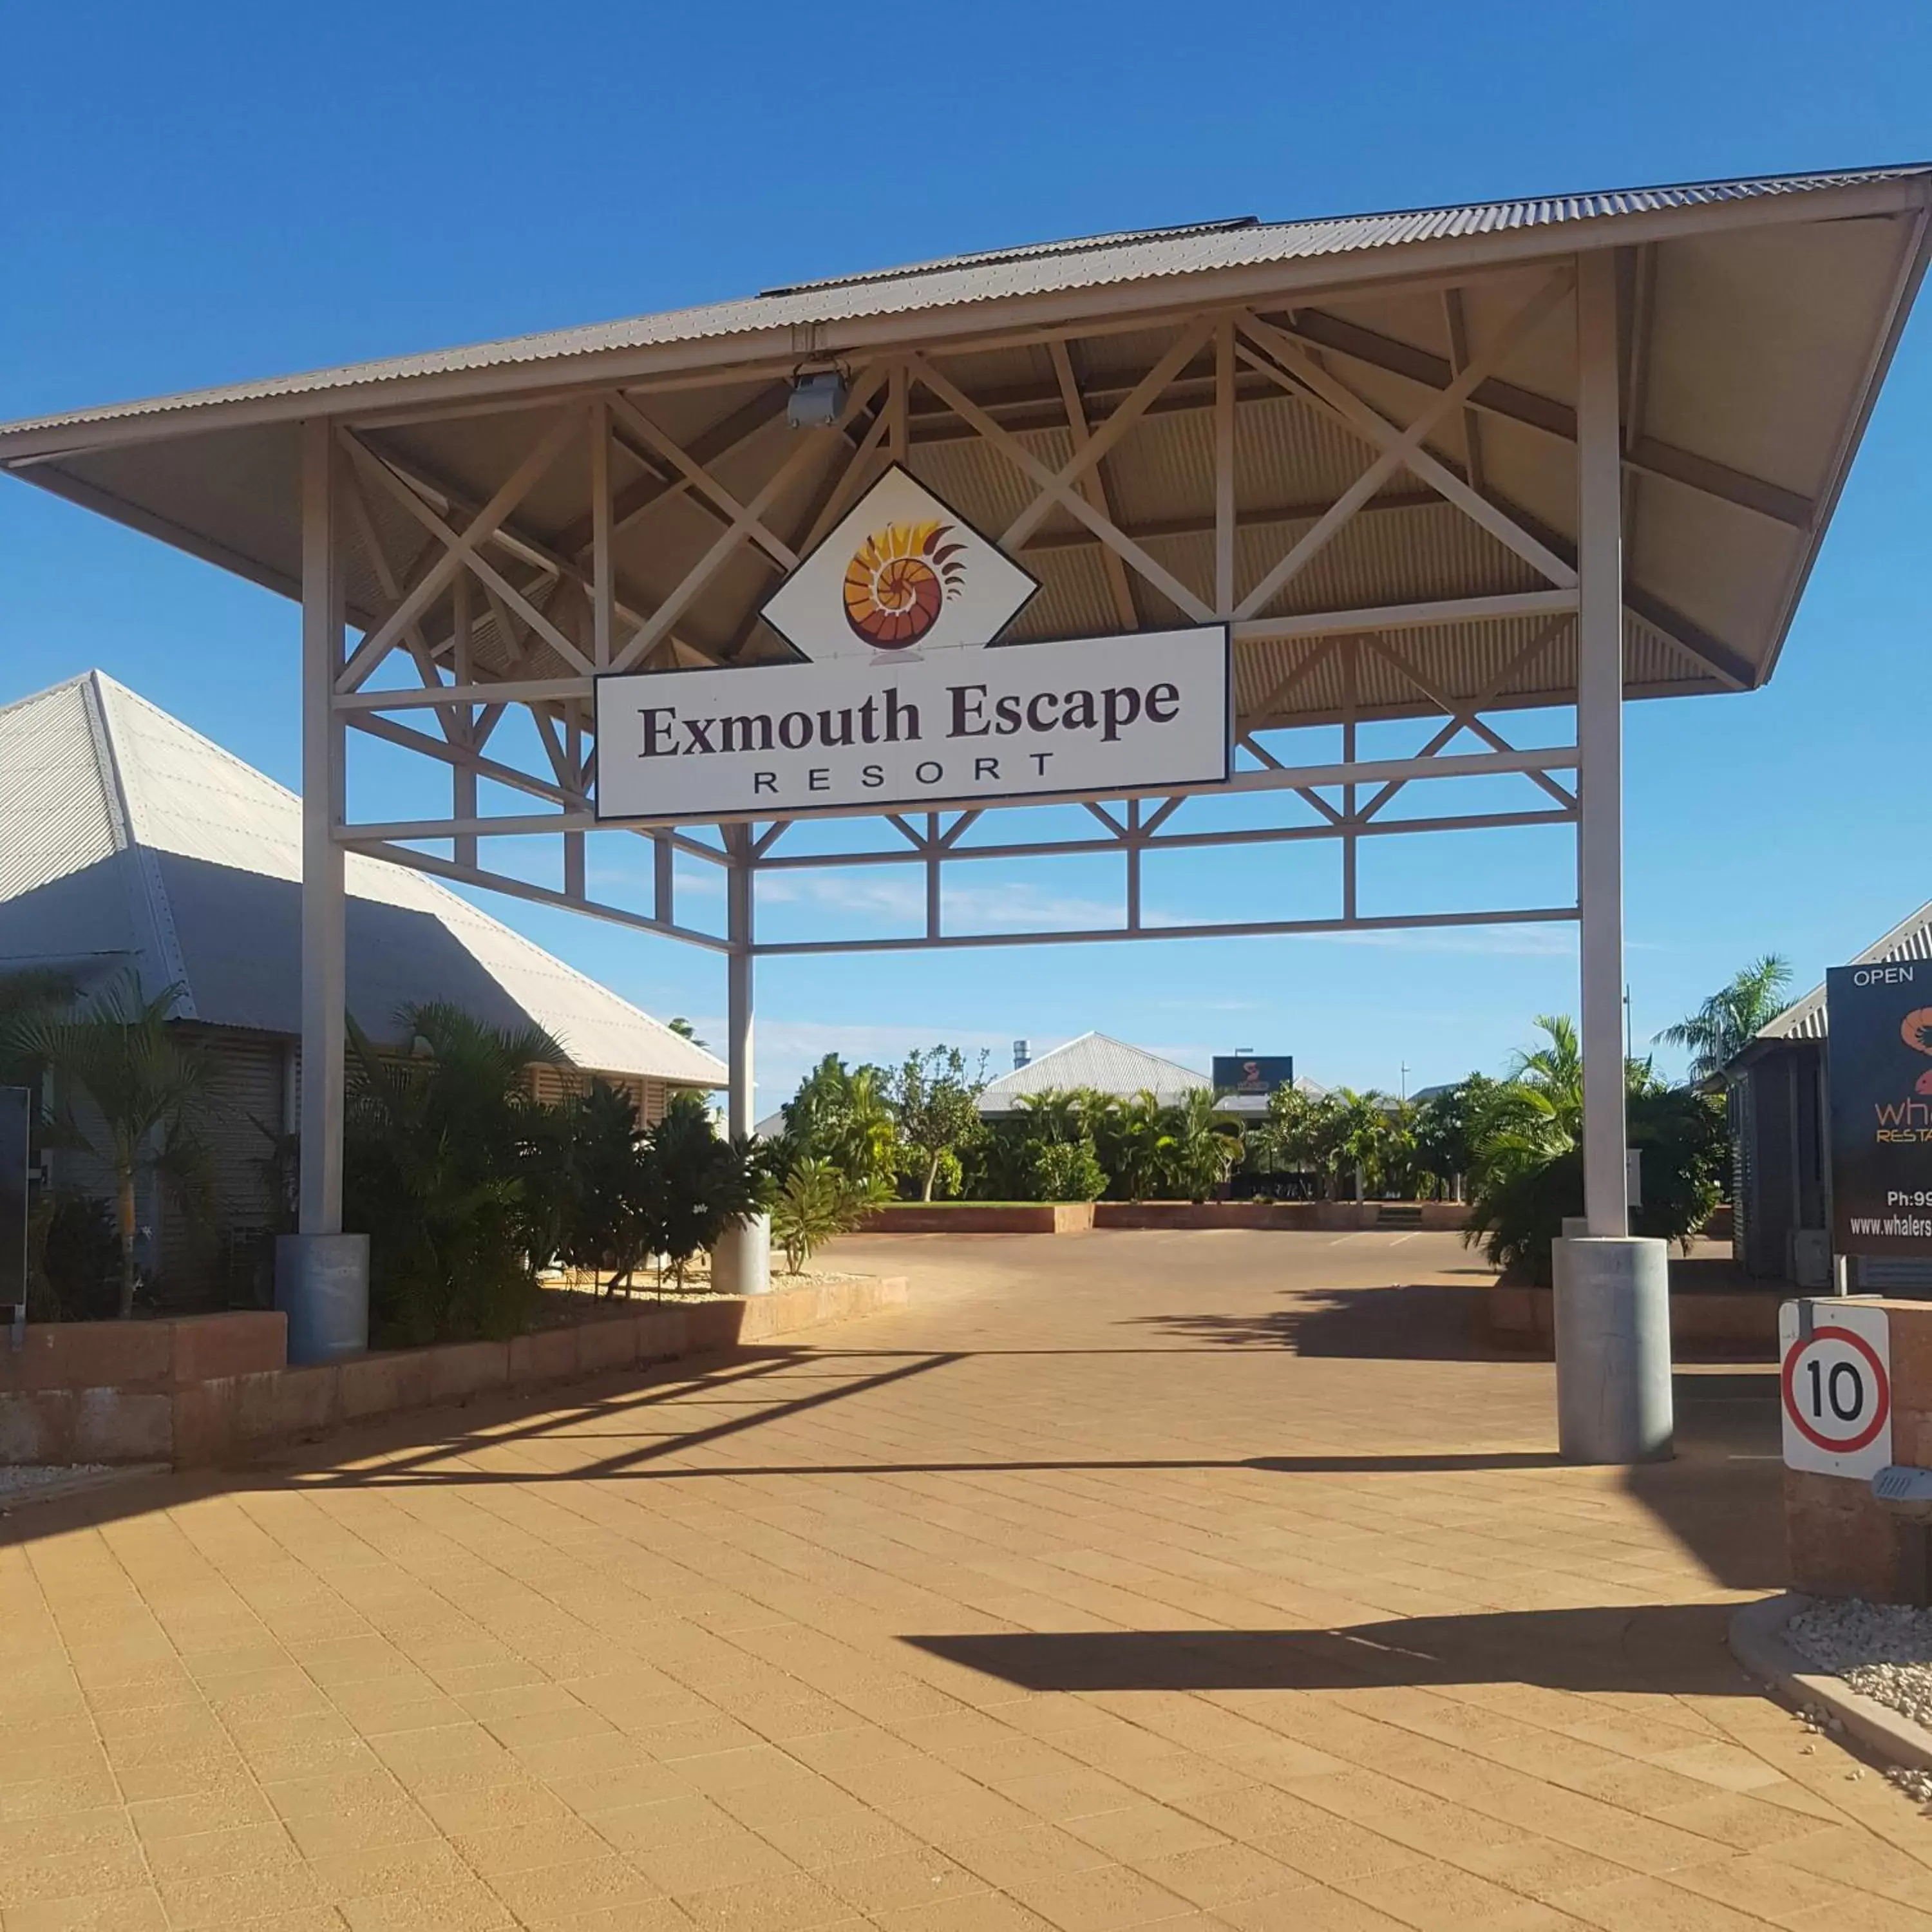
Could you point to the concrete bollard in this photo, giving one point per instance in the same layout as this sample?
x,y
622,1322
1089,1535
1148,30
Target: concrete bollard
x,y
741,1264
322,1284
1612,1317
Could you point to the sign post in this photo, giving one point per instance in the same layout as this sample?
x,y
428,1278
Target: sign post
x,y
1880,1024
1835,1381
16,1123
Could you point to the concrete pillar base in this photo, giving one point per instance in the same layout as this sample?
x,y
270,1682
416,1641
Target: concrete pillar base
x,y
322,1284
741,1264
1613,1314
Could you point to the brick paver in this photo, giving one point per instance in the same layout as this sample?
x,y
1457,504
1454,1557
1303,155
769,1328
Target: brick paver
x,y
1198,1580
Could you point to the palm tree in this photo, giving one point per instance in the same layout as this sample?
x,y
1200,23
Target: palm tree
x,y
1055,1113
145,1085
1725,1023
1204,1148
1135,1144
32,994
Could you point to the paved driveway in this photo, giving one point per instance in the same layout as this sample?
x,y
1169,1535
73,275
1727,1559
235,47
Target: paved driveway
x,y
1204,1579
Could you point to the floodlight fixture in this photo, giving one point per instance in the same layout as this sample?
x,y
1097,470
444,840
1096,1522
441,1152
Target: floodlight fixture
x,y
817,400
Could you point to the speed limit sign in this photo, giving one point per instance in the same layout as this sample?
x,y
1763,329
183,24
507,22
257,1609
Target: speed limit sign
x,y
1837,1387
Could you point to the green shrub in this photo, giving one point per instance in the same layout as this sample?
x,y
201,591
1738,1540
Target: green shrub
x,y
1065,1170
700,1183
441,1153
816,1202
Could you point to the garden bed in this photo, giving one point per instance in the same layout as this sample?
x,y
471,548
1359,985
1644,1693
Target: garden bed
x,y
1078,1217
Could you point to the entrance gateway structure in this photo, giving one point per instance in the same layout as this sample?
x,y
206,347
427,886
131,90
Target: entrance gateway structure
x,y
1436,467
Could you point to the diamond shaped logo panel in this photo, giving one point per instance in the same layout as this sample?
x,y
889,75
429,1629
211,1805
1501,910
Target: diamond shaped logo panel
x,y
900,575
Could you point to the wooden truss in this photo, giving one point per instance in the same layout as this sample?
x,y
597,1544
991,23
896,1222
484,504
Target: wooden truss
x,y
557,614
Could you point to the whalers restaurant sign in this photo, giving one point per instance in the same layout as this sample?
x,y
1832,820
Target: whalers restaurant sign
x,y
1878,1058
901,697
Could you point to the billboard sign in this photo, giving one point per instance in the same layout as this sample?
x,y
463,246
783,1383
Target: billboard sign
x,y
1879,1053
900,696
1253,1073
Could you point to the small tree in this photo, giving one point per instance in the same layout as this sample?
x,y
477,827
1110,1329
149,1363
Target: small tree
x,y
816,1202
1444,1125
842,1116
935,1104
146,1087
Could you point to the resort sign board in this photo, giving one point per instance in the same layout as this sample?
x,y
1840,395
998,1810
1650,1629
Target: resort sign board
x,y
902,696
1878,1052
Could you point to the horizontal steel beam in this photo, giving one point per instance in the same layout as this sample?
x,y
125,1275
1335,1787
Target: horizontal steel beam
x,y
1270,834
508,691
1285,778
1251,929
1408,616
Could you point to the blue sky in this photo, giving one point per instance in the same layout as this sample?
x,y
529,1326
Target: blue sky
x,y
199,195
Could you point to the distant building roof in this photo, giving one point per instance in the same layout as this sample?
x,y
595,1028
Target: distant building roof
x,y
1095,1060
128,840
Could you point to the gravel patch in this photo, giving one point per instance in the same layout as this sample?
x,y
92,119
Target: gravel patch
x,y
27,1483
1881,1650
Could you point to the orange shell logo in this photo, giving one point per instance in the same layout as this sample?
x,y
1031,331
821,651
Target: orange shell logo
x,y
1915,1029
898,581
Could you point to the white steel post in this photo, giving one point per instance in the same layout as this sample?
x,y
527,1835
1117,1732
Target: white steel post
x,y
738,995
1612,1298
324,973
322,1274
743,1263
1600,742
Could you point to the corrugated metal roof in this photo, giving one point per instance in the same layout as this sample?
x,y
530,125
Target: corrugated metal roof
x,y
1805,1019
1048,269
126,837
988,258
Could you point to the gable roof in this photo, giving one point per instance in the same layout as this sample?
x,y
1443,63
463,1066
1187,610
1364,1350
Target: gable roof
x,y
1805,1019
1095,1060
128,840
1737,283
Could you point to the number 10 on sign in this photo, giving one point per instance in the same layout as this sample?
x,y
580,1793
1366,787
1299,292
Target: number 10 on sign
x,y
1837,1387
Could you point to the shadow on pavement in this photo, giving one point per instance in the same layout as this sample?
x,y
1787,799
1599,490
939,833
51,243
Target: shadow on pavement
x,y
1722,1496
1671,1648
1421,1321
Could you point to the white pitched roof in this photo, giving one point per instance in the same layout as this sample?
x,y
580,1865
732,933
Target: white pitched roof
x,y
1805,1019
127,838
1097,1060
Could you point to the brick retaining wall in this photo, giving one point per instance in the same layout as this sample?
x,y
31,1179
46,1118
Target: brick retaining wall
x,y
1077,1217
216,1388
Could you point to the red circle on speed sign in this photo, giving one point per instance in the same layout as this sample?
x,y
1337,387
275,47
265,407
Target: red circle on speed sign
x,y
1837,1445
